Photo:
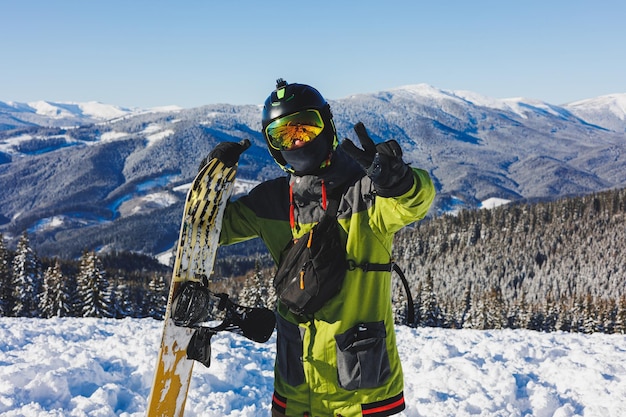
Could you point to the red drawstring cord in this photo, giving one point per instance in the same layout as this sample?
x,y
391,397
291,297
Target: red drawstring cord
x,y
324,199
292,215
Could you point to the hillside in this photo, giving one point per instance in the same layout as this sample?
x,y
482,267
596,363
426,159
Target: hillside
x,y
560,263
118,183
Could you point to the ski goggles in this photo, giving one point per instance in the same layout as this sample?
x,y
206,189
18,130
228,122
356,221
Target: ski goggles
x,y
294,130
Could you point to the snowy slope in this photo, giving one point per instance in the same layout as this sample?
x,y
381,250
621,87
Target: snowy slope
x,y
49,113
96,367
607,111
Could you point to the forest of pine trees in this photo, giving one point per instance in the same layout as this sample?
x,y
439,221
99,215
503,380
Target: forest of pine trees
x,y
546,266
30,287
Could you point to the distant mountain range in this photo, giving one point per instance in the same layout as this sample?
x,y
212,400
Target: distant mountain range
x,y
82,176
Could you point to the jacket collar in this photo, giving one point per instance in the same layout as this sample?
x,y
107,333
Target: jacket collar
x,y
342,172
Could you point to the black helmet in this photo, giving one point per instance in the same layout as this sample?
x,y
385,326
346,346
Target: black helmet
x,y
287,107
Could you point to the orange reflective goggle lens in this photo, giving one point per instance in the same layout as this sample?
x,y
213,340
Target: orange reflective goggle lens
x,y
294,130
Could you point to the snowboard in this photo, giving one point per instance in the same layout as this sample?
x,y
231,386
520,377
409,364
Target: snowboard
x,y
195,256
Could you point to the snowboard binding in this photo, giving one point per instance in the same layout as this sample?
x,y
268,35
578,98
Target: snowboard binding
x,y
191,308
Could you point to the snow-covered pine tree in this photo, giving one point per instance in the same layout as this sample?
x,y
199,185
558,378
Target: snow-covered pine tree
x,y
495,309
119,303
27,279
157,296
55,300
590,315
48,285
399,302
620,320
467,307
551,314
256,291
94,292
608,309
577,314
431,314
6,281
71,287
487,311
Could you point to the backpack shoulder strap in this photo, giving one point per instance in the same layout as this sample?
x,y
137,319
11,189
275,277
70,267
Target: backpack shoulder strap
x,y
332,207
389,267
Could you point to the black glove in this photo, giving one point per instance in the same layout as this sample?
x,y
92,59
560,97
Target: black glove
x,y
382,162
227,152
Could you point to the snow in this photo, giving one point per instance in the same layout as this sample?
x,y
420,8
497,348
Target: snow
x,y
49,223
68,109
165,257
47,109
493,202
607,111
614,103
101,111
8,145
165,109
241,186
154,134
161,199
112,136
104,367
519,106
147,202
423,90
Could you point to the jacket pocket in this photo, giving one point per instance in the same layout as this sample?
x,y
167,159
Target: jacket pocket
x,y
362,358
289,352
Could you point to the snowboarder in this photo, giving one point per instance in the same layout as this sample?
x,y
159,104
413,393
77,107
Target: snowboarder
x,y
340,360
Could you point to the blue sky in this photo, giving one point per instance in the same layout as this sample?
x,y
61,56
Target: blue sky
x,y
137,53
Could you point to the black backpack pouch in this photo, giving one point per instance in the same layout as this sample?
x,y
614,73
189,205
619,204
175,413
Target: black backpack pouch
x,y
312,269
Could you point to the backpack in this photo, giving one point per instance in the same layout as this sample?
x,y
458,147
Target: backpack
x,y
312,269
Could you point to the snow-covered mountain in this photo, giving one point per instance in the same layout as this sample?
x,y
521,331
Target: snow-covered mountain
x,y
58,114
606,111
90,175
45,113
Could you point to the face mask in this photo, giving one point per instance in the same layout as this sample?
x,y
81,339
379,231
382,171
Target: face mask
x,y
309,158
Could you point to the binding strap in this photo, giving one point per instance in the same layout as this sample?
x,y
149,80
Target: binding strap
x,y
388,267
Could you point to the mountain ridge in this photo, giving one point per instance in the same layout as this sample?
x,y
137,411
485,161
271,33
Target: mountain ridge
x,y
93,111
82,174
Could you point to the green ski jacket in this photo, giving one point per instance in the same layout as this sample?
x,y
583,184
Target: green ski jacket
x,y
343,359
